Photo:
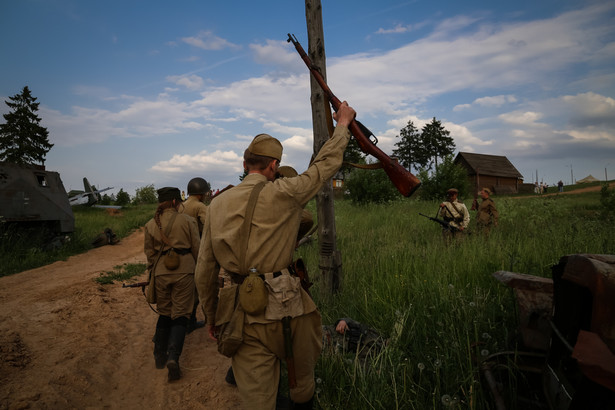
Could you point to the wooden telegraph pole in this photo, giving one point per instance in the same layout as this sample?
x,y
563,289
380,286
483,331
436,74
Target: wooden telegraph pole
x,y
330,260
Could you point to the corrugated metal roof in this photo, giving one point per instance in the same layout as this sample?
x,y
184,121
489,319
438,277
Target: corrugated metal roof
x,y
494,165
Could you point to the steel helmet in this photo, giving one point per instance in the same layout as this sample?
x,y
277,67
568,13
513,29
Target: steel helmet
x,y
198,186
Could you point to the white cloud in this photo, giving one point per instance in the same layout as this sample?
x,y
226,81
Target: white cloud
x,y
192,82
206,40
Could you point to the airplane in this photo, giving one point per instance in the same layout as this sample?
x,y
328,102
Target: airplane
x,y
91,193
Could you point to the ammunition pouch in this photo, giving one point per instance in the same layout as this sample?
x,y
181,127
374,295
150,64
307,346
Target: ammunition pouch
x,y
229,318
284,296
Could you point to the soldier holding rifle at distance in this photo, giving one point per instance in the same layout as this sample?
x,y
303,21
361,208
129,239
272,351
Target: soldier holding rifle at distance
x,y
456,214
269,246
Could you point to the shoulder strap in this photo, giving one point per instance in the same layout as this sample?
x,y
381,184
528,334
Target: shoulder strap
x,y
165,234
247,226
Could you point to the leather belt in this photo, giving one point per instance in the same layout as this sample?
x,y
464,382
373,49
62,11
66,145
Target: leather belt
x,y
238,278
179,251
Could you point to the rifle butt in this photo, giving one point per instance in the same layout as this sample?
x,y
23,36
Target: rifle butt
x,y
405,182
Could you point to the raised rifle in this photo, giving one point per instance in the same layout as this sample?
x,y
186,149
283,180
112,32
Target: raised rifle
x,y
444,224
405,182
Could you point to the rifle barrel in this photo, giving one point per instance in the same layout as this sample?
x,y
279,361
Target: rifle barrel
x,y
405,182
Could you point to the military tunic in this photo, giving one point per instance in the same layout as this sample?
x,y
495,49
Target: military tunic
x,y
196,209
174,288
487,215
271,245
456,214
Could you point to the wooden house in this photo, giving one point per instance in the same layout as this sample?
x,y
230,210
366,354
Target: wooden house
x,y
495,172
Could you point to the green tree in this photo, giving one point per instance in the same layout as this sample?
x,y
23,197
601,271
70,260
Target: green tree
x,y
145,195
436,143
122,198
408,146
352,155
105,200
22,139
366,186
447,175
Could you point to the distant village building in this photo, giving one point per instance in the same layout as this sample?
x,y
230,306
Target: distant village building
x,y
495,172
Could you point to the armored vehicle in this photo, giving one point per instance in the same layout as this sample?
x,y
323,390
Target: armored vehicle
x,y
32,196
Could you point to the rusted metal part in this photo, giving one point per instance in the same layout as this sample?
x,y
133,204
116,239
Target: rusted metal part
x,y
595,359
534,296
597,274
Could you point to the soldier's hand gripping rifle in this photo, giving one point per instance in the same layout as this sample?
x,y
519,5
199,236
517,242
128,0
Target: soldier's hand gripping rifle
x,y
405,182
444,224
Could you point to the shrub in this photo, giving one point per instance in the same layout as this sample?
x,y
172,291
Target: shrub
x,y
122,198
371,186
145,195
447,175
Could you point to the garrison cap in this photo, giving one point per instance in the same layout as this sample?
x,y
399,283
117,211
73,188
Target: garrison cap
x,y
452,191
267,146
487,190
168,194
287,172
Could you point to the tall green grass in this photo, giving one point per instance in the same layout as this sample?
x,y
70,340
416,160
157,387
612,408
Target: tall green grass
x,y
27,248
439,304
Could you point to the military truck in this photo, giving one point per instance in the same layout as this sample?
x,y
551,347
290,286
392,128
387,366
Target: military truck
x,y
32,196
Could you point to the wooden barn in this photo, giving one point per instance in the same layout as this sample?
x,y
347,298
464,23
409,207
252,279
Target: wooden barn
x,y
495,172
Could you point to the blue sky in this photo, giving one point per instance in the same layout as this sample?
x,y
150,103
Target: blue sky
x,y
156,92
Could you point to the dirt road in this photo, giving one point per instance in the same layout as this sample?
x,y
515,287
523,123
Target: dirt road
x,y
67,342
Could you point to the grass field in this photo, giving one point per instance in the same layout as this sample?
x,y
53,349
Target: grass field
x,y
438,305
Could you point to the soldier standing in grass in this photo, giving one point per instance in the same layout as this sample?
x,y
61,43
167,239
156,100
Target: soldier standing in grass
x,y
456,214
487,214
198,191
172,275
269,246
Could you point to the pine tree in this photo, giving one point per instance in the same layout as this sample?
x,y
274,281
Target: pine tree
x,y
436,142
408,146
22,139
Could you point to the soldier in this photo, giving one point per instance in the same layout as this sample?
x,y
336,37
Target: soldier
x,y
455,213
198,191
350,336
487,215
171,247
269,240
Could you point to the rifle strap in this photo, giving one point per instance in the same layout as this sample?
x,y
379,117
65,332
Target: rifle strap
x,y
247,226
376,165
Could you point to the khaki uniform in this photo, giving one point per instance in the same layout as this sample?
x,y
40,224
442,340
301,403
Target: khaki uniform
x,y
196,209
457,215
275,225
174,288
487,215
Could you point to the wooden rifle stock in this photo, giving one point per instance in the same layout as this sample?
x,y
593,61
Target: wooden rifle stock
x,y
405,182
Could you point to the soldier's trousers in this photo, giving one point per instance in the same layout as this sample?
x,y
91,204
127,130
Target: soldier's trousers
x,y
256,364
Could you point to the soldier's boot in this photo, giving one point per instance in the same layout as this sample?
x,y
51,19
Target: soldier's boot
x,y
161,341
194,324
230,377
304,406
176,345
